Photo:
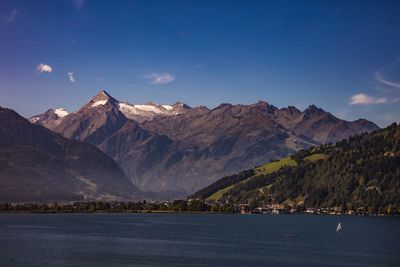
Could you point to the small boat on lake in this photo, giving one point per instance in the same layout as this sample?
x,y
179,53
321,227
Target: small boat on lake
x,y
339,227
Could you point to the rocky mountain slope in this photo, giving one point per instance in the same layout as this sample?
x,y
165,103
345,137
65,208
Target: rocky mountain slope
x,y
181,149
37,164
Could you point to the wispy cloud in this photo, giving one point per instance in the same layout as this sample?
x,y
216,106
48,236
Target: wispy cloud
x,y
363,99
11,17
160,78
72,41
379,77
44,68
71,77
98,78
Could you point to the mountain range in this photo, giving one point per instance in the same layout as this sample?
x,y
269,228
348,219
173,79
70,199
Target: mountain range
x,y
39,165
175,150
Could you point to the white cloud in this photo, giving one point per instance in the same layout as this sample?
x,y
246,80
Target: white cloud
x,y
44,68
71,77
11,17
163,78
379,77
363,99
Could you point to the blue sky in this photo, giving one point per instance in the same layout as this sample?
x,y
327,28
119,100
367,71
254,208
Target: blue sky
x,y
343,56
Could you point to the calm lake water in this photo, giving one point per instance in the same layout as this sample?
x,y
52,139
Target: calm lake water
x,y
197,240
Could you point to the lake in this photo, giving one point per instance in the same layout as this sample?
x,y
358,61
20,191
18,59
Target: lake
x,y
197,240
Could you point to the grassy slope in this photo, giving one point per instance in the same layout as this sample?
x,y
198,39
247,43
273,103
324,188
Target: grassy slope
x,y
316,157
262,170
217,195
275,165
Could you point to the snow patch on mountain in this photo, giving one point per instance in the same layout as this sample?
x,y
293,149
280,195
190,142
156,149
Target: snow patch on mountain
x,y
60,112
149,108
146,111
168,107
138,109
34,119
99,103
123,107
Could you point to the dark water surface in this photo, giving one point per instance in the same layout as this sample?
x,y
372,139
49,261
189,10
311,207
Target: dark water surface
x,y
197,240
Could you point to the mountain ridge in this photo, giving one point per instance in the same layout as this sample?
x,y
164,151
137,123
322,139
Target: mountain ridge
x,y
166,149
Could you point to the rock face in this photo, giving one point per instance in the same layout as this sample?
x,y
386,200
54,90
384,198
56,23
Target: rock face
x,y
37,164
179,149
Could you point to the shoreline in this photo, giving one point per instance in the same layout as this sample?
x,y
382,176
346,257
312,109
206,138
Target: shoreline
x,y
193,212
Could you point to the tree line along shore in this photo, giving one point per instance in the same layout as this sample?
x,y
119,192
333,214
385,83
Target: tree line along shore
x,y
181,206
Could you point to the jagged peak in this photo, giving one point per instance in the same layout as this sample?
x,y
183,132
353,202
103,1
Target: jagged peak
x,y
199,108
102,95
264,106
313,109
104,92
293,109
102,98
179,104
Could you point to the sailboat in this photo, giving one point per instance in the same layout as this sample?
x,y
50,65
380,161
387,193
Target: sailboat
x,y
339,227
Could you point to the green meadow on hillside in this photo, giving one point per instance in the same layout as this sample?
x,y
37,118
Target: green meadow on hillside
x,y
267,168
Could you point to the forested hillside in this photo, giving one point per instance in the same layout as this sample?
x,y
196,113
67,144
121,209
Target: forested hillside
x,y
361,173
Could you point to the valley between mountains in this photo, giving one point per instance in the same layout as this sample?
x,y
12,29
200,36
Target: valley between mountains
x,y
175,150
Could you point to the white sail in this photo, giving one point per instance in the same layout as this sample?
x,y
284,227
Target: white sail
x,y
339,227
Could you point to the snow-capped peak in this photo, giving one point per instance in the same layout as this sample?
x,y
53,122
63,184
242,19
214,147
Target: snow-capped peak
x,y
51,116
137,112
101,99
102,95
